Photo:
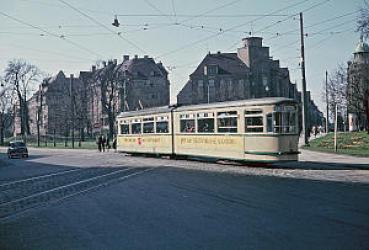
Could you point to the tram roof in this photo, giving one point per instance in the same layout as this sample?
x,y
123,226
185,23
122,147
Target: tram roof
x,y
248,102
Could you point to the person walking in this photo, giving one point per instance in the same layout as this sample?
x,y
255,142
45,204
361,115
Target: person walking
x,y
115,144
103,143
99,142
107,144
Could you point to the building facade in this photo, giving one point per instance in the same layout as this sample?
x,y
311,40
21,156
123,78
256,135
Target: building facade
x,y
64,104
249,73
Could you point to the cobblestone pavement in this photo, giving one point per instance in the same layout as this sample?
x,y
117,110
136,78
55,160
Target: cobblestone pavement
x,y
312,165
82,199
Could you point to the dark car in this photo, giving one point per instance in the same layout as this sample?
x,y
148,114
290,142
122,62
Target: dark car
x,y
17,148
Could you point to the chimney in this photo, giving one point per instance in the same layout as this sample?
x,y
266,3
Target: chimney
x,y
252,42
218,52
93,69
146,56
136,56
125,58
115,61
104,63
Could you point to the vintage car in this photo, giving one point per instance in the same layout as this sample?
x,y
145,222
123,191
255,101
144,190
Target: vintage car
x,y
17,149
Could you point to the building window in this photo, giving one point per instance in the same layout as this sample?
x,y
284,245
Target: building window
x,y
211,69
227,122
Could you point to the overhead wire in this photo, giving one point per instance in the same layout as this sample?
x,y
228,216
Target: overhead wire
x,y
226,30
103,25
62,37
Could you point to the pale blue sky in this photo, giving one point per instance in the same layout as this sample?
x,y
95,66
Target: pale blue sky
x,y
212,25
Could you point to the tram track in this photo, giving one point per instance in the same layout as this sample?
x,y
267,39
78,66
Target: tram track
x,y
45,190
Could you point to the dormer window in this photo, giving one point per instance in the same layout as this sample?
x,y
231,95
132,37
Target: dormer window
x,y
211,69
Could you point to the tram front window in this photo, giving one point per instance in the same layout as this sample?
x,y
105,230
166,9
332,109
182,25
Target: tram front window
x,y
282,122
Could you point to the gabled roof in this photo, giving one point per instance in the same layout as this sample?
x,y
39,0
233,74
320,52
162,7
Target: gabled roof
x,y
228,63
143,67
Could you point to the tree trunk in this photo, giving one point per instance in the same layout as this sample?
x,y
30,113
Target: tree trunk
x,y
366,105
2,128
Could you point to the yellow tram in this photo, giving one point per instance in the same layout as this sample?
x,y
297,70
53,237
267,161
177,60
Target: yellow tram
x,y
263,129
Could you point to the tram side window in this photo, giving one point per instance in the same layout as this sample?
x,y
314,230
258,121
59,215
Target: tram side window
x,y
124,129
205,125
254,124
254,121
269,123
162,127
136,128
187,126
148,127
227,122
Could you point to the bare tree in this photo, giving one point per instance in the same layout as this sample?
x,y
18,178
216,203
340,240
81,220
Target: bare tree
x,y
337,92
363,20
24,76
358,97
107,80
6,103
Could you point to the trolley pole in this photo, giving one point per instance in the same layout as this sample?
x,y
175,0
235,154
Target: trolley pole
x,y
326,100
304,101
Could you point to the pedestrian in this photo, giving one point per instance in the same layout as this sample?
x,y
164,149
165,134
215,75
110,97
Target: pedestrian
x,y
107,143
115,144
99,142
103,143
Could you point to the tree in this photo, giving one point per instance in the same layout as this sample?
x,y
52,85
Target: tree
x,y
6,103
24,76
107,80
337,92
363,21
358,97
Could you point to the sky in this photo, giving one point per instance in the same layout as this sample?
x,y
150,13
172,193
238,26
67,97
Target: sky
x,y
72,35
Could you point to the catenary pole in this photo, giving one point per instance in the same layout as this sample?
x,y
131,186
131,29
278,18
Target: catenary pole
x,y
304,101
326,101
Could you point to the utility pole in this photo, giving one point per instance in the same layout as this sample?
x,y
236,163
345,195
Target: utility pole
x,y
38,116
304,100
72,104
326,101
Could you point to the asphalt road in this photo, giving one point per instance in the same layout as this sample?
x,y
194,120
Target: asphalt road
x,y
189,205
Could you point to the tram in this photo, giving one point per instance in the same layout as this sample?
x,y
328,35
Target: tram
x,y
264,129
